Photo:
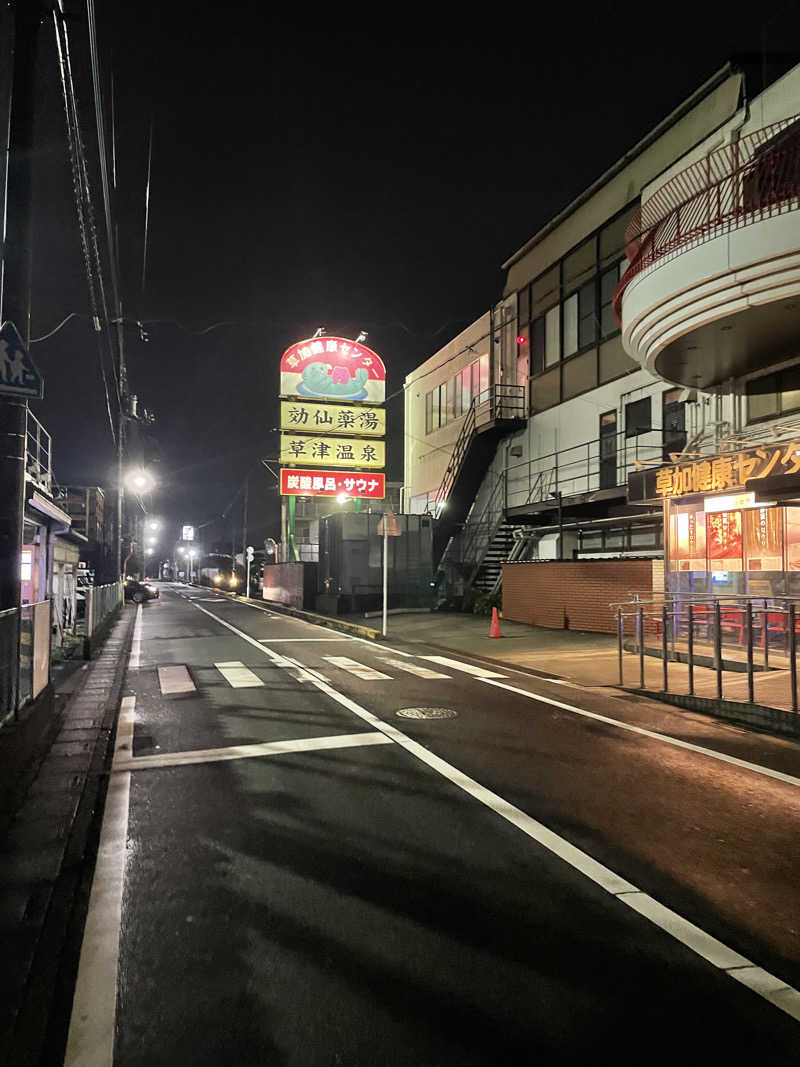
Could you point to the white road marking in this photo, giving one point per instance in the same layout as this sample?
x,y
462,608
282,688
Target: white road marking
x,y
360,670
136,646
665,738
282,640
94,1005
238,676
175,679
267,748
468,668
766,985
413,668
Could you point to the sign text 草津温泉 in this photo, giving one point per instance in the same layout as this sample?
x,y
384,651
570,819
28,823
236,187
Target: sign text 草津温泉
x,y
333,483
332,451
355,420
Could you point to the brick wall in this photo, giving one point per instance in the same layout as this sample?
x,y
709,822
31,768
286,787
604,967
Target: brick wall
x,y
573,595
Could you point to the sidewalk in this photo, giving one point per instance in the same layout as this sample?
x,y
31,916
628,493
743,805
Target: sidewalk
x,y
591,660
48,855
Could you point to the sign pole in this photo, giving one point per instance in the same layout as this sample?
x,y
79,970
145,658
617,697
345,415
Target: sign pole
x,y
385,572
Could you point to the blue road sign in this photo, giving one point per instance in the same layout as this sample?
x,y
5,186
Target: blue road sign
x,y
19,375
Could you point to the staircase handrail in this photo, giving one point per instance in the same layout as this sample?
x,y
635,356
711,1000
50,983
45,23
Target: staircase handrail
x,y
503,401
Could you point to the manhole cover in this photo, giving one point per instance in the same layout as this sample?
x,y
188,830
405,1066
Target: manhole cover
x,y
427,713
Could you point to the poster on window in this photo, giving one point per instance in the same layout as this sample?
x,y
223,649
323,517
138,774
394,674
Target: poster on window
x,y
724,534
763,539
688,541
792,539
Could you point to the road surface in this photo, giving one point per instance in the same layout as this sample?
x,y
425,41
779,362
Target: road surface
x,y
299,866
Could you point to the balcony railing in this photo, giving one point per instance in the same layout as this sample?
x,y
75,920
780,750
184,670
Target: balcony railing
x,y
753,178
38,455
603,463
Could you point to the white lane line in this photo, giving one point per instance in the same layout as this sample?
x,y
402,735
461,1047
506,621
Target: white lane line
x,y
267,748
413,668
757,768
94,1005
238,676
766,985
175,679
360,670
136,646
468,668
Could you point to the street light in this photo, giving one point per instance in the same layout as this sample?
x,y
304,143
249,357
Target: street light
x,y
155,525
139,480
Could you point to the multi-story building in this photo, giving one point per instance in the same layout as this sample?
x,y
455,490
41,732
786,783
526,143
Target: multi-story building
x,y
618,311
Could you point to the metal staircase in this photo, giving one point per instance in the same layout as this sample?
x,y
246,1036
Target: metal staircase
x,y
490,570
493,414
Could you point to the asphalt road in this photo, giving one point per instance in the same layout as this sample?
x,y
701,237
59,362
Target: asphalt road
x,y
541,876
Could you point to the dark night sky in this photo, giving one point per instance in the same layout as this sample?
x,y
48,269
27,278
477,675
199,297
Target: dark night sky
x,y
370,168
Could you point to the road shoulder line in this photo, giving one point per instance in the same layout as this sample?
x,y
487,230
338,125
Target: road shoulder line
x,y
702,944
736,761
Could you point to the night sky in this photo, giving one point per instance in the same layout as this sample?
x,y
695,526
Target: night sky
x,y
369,168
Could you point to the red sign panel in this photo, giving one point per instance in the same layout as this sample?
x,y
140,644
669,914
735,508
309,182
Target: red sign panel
x,y
333,368
333,483
724,540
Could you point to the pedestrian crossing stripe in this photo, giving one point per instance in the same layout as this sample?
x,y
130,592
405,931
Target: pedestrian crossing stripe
x,y
414,668
238,676
360,670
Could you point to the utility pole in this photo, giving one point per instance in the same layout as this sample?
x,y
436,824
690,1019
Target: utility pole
x,y
22,20
244,517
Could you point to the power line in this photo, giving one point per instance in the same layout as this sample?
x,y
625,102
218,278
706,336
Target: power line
x,y
82,204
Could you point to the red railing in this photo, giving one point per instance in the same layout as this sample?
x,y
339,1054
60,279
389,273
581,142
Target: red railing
x,y
747,180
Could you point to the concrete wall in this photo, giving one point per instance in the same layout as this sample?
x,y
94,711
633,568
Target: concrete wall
x,y
284,583
426,456
573,596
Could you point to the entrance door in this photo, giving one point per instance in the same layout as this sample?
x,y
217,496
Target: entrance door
x,y
608,450
673,421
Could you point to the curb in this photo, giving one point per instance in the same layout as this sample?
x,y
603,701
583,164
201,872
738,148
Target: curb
x,y
307,616
71,785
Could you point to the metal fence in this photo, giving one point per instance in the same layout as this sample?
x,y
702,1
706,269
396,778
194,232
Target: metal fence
x,y
723,637
101,603
9,623
34,649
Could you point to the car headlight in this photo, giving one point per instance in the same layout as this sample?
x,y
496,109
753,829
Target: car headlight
x,y
233,581
217,579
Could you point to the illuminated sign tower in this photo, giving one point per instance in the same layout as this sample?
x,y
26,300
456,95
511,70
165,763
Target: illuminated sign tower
x,y
332,424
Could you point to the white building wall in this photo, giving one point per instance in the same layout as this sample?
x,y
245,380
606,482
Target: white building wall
x,y
427,455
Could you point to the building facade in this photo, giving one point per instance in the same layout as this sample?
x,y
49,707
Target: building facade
x,y
605,309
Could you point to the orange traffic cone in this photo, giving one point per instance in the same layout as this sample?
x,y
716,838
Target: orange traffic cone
x,y
494,629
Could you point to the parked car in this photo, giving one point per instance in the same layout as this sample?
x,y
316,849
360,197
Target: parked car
x,y
138,592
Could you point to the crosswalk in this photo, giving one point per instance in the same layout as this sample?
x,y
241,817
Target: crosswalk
x,y
175,679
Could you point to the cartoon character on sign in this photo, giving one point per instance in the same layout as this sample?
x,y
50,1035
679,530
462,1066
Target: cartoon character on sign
x,y
336,370
319,379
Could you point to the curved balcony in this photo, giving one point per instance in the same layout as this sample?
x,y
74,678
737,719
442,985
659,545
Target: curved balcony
x,y
713,287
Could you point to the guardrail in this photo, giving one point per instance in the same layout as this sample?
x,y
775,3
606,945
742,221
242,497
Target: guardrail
x,y
726,633
749,179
